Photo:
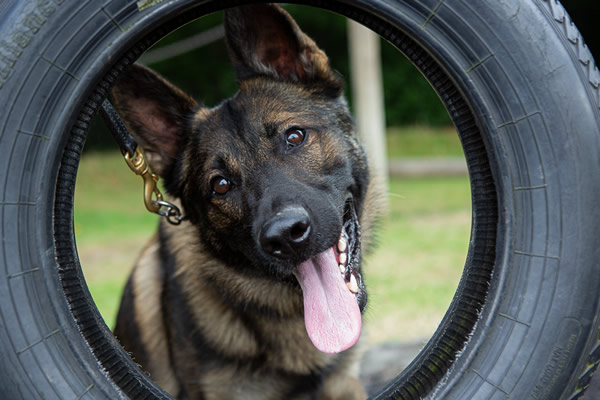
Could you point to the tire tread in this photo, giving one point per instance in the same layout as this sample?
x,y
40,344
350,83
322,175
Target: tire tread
x,y
576,41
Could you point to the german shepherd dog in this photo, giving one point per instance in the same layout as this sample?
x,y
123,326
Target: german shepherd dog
x,y
258,293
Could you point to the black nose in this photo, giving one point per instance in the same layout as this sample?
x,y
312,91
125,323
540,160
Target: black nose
x,y
286,234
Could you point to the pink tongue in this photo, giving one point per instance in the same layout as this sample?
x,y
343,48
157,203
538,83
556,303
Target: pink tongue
x,y
331,312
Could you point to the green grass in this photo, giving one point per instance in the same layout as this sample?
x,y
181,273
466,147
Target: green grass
x,y
108,198
411,275
111,226
422,141
421,250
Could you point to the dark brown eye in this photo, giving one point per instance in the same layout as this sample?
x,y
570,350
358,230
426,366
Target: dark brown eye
x,y
295,137
220,185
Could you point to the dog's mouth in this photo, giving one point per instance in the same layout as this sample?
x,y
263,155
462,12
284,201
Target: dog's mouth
x,y
333,290
348,254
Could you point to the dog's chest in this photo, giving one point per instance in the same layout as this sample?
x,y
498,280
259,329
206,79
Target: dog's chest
x,y
288,348
279,362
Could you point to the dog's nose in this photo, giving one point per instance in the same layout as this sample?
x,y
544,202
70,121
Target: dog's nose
x,y
286,234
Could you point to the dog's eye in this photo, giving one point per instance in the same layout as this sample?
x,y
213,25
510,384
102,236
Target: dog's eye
x,y
294,137
220,185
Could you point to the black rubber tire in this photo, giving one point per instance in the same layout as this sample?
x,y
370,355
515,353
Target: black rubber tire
x,y
522,90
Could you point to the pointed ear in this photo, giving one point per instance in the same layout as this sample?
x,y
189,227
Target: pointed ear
x,y
155,113
263,39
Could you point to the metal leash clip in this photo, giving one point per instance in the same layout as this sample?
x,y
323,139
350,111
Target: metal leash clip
x,y
139,165
172,212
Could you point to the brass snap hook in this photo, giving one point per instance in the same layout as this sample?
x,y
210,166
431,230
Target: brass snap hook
x,y
139,165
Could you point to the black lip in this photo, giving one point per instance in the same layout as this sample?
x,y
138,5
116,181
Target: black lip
x,y
352,231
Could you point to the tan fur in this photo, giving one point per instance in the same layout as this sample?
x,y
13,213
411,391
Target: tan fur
x,y
345,384
218,323
147,288
218,386
373,208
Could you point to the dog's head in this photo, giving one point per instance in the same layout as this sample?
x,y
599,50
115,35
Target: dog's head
x,y
274,177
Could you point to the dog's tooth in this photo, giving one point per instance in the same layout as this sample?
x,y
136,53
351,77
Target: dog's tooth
x,y
352,285
342,245
343,258
342,268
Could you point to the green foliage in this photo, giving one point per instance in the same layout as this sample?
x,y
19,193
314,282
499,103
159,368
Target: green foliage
x,y
205,73
408,97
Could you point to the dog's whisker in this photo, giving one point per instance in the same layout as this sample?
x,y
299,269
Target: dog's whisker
x,y
396,195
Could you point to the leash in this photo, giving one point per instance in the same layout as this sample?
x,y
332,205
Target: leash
x,y
137,162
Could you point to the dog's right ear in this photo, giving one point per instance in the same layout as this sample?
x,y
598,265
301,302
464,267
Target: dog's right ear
x,y
155,113
264,40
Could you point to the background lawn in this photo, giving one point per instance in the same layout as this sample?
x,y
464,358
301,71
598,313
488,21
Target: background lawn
x,y
411,275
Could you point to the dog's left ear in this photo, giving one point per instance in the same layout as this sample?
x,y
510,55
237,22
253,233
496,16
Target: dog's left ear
x,y
155,112
265,40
